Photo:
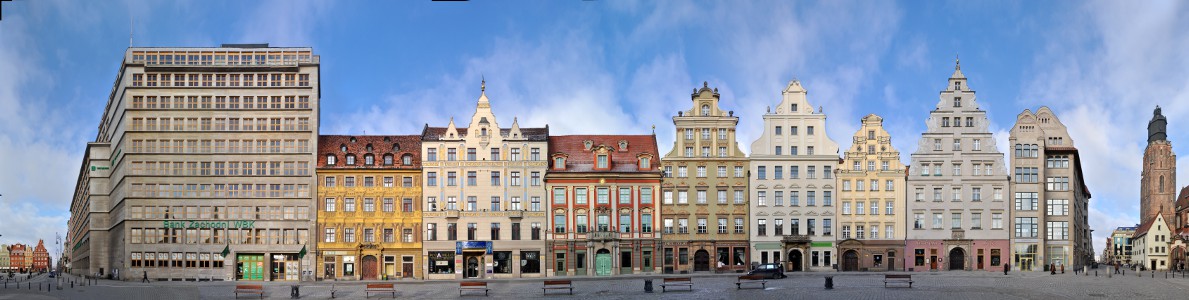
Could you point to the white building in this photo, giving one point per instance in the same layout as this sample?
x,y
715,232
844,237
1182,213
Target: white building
x,y
1151,244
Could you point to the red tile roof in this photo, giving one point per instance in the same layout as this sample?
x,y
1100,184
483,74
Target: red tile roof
x,y
1143,229
622,161
1183,199
381,145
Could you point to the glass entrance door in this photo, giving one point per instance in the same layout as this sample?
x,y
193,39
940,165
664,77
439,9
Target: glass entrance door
x,y
251,266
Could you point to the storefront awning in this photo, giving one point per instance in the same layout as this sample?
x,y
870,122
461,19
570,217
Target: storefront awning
x,y
767,246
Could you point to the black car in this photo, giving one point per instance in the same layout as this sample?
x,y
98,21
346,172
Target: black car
x,y
774,271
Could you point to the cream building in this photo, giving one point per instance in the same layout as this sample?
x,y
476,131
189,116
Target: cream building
x,y
792,186
703,203
202,167
4,264
482,191
1152,243
871,197
1051,209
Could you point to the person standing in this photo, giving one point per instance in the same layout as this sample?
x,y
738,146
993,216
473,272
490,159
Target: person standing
x,y
1006,267
145,279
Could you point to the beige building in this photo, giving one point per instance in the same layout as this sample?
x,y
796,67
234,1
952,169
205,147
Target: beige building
x,y
1051,210
1152,244
792,186
871,196
483,189
202,168
704,202
4,264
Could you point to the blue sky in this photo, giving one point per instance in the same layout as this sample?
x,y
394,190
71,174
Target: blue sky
x,y
604,67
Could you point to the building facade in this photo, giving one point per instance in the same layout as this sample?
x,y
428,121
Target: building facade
x,y
957,191
1158,185
792,180
500,215
370,212
1153,244
1180,232
41,257
18,258
705,187
1121,246
202,167
604,204
872,200
4,258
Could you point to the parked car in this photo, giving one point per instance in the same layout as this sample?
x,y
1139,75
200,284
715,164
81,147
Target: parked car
x,y
774,271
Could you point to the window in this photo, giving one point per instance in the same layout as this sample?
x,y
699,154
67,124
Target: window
x,y
936,220
957,101
761,173
956,221
976,194
738,197
738,171
722,133
1062,184
761,227
682,226
580,195
625,196
918,221
936,144
738,225
778,131
682,197
722,225
1026,227
472,178
976,220
330,204
809,131
1058,207
602,195
1026,201
682,172
956,194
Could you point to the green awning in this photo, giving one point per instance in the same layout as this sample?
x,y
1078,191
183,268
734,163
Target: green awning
x,y
767,246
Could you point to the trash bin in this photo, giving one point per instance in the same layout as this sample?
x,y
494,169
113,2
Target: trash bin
x,y
647,285
294,292
829,282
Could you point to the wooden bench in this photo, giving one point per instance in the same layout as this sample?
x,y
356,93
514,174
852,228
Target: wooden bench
x,y
249,289
677,281
752,279
557,285
380,288
473,286
897,278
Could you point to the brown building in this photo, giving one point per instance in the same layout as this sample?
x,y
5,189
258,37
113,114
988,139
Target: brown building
x,y
704,203
1159,177
1180,234
41,257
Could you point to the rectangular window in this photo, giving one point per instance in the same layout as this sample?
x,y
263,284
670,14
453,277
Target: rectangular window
x,y
1026,227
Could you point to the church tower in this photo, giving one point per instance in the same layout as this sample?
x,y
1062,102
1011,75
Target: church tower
x,y
1158,186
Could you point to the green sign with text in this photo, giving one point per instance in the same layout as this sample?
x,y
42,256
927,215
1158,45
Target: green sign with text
x,y
208,224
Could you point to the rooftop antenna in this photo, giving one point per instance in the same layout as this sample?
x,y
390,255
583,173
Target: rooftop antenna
x,y
131,24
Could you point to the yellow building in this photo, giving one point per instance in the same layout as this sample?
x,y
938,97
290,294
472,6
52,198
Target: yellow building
x,y
872,199
369,216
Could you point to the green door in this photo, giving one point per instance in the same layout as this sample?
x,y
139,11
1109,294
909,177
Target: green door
x,y
603,264
251,267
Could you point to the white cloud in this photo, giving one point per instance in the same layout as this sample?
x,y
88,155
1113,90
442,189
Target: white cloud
x,y
284,23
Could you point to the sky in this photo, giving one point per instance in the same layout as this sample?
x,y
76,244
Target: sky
x,y
617,67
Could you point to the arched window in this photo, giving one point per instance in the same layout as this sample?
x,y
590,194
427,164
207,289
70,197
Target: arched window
x,y
330,159
343,147
1161,183
369,159
406,160
705,110
350,159
395,147
387,159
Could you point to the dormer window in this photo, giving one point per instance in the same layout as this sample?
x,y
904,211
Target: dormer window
x,y
644,163
794,108
330,161
387,159
343,148
351,159
395,147
352,139
957,101
559,163
406,160
957,85
369,148
602,161
705,110
369,159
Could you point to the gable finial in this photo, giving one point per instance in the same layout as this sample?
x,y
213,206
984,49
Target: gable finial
x,y
482,83
957,63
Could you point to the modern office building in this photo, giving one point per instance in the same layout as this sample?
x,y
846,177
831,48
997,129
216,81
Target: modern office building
x,y
957,188
1052,201
872,199
604,204
202,167
792,186
704,203
1121,245
489,181
369,217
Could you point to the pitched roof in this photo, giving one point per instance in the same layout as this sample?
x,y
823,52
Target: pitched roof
x,y
1183,199
532,134
397,145
1143,229
579,159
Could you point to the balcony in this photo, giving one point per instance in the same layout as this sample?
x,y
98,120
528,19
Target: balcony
x,y
794,239
516,214
603,236
453,213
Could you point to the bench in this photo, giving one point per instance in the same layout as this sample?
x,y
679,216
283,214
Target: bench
x,y
380,288
897,278
473,286
677,281
752,279
557,285
249,289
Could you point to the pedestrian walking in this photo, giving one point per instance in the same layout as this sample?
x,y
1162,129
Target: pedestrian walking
x,y
1006,267
1116,268
146,277
1052,269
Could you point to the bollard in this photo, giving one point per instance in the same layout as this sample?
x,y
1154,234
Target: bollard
x,y
829,282
72,284
648,285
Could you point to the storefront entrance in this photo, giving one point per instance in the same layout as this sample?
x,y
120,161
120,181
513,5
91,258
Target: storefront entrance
x,y
474,265
370,268
407,269
795,261
850,261
285,267
701,260
603,263
957,259
249,267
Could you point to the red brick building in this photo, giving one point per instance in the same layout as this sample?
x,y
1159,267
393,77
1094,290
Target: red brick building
x,y
16,257
41,257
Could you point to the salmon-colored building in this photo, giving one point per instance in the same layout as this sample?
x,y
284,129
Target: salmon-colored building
x,y
41,257
16,257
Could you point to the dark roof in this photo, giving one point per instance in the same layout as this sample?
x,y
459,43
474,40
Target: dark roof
x,y
581,160
540,134
1183,199
381,145
1143,229
1077,164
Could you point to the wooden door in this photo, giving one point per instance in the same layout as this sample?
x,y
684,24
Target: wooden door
x,y
370,268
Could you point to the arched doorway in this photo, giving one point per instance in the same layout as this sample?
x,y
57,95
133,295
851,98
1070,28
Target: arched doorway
x,y
850,261
369,267
603,262
472,270
701,260
957,259
795,260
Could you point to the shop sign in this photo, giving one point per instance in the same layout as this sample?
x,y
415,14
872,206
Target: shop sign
x,y
821,244
460,245
208,224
